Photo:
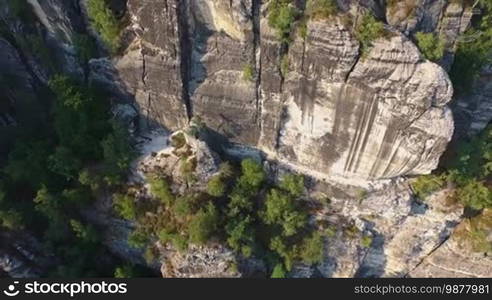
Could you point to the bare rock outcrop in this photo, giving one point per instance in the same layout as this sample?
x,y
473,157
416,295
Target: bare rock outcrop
x,y
334,111
385,234
452,261
363,117
447,19
320,105
200,262
152,65
465,254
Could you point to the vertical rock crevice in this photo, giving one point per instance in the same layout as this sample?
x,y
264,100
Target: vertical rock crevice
x,y
185,53
255,13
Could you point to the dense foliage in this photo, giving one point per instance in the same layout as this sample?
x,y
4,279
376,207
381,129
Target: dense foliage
x,y
55,169
105,23
431,45
281,16
21,9
367,31
474,50
468,174
425,185
240,208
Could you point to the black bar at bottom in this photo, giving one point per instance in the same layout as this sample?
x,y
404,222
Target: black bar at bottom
x,y
301,289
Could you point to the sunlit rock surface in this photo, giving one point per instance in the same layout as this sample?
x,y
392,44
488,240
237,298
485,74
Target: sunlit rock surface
x,y
335,111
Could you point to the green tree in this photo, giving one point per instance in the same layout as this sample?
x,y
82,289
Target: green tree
x,y
80,118
473,158
281,209
85,47
75,198
474,50
293,184
367,31
180,242
203,224
475,195
64,162
137,239
159,187
252,173
281,17
216,187
289,253
125,271
425,185
178,140
27,163
90,179
240,202
278,271
69,94
312,249
240,213
48,204
431,46
105,23
117,153
86,233
241,236
366,241
21,9
182,206
11,219
125,206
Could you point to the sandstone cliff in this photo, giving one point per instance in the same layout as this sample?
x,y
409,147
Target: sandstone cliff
x,y
333,112
34,47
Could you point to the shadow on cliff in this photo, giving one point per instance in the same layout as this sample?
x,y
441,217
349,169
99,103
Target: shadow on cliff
x,y
197,41
373,264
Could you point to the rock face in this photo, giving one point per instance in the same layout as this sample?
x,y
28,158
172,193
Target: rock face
x,y
406,237
200,262
451,261
402,232
369,117
447,19
318,106
152,65
35,44
14,112
332,112
458,257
